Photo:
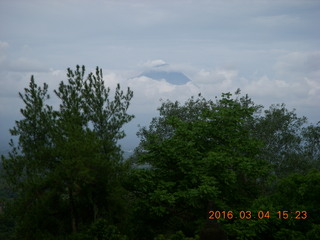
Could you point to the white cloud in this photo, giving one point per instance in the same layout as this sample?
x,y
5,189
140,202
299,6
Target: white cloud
x,y
148,92
213,82
154,63
215,76
303,70
314,92
273,89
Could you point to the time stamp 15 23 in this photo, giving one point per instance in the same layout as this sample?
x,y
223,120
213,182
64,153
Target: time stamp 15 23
x,y
258,215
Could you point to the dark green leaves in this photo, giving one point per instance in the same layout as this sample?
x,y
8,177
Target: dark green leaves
x,y
66,169
202,152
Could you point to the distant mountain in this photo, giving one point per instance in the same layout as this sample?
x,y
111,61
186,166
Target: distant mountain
x,y
173,77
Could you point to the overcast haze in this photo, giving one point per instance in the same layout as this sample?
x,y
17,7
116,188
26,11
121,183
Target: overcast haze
x,y
268,49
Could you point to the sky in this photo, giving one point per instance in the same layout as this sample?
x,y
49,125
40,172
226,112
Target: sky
x,y
269,49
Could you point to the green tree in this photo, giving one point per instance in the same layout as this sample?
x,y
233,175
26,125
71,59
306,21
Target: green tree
x,y
281,132
199,156
297,193
67,166
29,163
311,144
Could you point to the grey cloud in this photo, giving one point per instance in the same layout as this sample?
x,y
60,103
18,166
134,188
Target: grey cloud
x,y
27,65
299,63
3,47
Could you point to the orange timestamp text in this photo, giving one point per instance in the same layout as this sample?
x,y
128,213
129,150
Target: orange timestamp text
x,y
257,215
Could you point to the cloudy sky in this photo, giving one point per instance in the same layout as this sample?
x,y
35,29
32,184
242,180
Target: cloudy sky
x,y
268,49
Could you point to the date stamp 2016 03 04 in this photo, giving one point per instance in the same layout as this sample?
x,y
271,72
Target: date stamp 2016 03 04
x,y
257,215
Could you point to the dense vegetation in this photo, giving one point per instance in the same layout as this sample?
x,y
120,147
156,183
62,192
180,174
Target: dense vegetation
x,y
66,177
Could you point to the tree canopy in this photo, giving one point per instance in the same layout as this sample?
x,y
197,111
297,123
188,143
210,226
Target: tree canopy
x,y
223,167
67,165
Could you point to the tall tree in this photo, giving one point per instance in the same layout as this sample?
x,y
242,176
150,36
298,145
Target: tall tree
x,y
30,162
281,131
67,165
198,156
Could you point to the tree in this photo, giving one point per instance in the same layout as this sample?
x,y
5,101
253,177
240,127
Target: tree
x,y
311,144
281,132
198,156
28,164
67,166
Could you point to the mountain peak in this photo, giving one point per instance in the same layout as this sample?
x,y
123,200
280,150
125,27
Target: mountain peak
x,y
160,70
173,77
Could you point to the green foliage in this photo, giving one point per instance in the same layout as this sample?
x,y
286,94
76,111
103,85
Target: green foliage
x,y
300,190
66,177
6,223
284,147
314,233
224,155
294,194
100,230
176,236
311,144
287,234
208,155
67,166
